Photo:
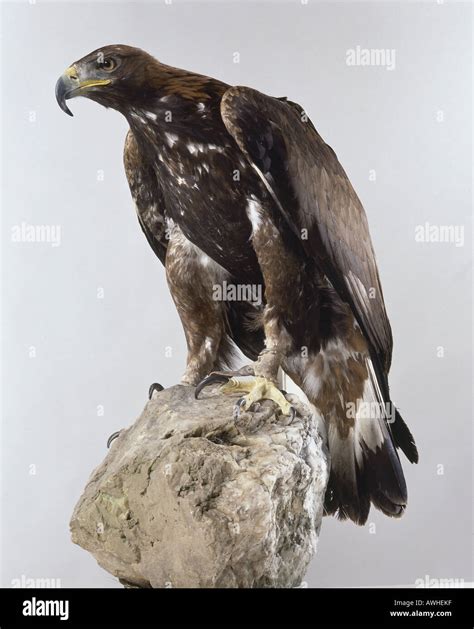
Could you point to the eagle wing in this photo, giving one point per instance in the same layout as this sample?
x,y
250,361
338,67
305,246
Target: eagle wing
x,y
147,195
310,187
313,193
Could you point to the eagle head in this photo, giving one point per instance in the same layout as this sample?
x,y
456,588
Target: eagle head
x,y
114,76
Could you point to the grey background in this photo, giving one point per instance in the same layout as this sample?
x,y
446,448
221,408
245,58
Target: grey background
x,y
92,352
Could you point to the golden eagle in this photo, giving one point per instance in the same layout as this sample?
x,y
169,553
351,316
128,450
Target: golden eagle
x,y
233,186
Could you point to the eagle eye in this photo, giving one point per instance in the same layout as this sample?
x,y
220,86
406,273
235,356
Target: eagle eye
x,y
107,63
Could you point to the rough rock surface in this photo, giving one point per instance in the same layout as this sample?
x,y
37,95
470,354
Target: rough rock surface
x,y
190,496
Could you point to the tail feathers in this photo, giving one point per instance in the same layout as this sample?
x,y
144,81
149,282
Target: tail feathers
x,y
363,427
346,495
365,467
364,470
384,479
403,438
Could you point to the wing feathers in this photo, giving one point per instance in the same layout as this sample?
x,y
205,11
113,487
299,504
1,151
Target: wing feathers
x,y
314,194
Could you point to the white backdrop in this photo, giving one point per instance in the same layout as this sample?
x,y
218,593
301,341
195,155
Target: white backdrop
x,y
87,324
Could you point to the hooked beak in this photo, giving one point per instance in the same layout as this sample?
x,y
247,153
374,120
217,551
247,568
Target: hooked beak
x,y
69,85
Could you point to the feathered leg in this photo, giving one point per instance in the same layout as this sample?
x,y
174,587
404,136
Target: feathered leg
x,y
191,277
281,272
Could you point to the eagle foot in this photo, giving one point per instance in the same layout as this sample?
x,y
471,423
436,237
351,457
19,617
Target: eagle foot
x,y
257,389
222,377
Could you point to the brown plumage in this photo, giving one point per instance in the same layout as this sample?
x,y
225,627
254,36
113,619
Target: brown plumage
x,y
233,187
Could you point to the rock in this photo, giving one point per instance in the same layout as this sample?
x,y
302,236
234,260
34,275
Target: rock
x,y
190,496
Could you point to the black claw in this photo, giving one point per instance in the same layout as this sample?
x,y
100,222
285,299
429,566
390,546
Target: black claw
x,y
213,378
113,436
238,407
154,387
292,413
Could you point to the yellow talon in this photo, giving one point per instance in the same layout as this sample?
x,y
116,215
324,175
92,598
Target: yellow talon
x,y
257,389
